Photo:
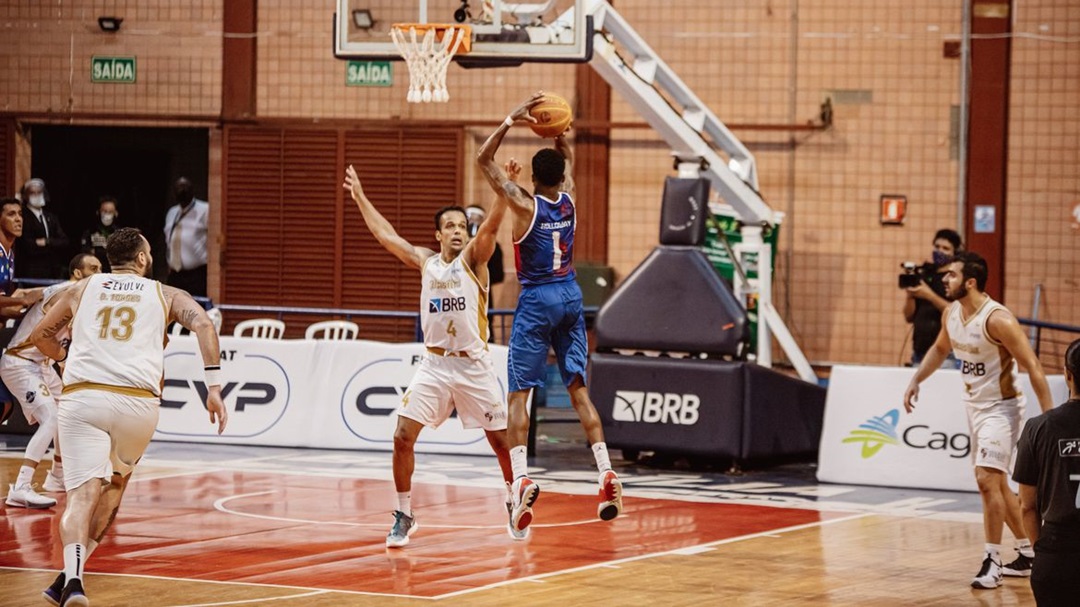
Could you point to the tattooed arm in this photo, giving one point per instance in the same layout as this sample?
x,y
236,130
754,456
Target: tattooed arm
x,y
184,310
45,335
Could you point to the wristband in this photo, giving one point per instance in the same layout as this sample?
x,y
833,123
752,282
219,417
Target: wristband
x,y
509,121
213,376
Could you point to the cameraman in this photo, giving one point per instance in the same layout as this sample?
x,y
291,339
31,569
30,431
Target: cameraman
x,y
926,301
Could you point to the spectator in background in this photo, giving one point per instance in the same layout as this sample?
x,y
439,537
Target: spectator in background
x,y
93,240
925,303
185,239
43,244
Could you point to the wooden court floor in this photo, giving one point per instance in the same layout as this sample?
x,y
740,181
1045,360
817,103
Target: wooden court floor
x,y
246,536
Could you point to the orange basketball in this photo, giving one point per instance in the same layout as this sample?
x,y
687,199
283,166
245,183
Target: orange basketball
x,y
553,116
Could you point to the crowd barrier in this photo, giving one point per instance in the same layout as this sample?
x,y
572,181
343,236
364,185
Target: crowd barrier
x,y
305,393
868,439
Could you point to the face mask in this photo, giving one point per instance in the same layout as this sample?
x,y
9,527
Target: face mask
x,y
940,258
107,219
37,201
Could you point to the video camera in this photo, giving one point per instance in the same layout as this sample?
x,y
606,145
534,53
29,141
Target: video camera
x,y
914,274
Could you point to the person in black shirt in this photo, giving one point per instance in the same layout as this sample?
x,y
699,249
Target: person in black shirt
x,y
925,303
1048,472
93,240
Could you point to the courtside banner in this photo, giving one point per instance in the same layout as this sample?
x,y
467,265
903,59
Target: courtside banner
x,y
868,439
305,393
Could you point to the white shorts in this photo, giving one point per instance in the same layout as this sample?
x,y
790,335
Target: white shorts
x,y
104,433
35,385
995,428
445,383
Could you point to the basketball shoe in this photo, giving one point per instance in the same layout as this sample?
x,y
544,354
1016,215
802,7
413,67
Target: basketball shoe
x,y
989,575
73,595
1021,567
24,496
55,590
404,526
610,496
523,495
514,533
54,483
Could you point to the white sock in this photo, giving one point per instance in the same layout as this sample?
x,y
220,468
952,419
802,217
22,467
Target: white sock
x,y
26,475
603,462
519,464
404,501
1024,546
74,561
994,552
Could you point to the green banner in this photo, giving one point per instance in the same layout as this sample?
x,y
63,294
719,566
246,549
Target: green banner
x,y
112,69
369,73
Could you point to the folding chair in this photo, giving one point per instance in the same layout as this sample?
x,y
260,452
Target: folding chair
x,y
332,329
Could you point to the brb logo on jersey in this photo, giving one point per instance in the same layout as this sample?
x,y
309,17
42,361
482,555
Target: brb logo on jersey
x,y
256,394
656,407
446,304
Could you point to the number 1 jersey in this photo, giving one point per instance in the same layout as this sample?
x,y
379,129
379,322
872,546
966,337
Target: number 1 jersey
x,y
545,254
118,335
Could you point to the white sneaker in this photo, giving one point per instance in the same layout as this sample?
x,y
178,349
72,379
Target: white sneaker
x,y
989,575
523,495
54,483
24,496
610,496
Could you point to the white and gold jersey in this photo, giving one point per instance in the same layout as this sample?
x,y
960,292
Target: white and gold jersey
x,y
118,336
21,346
454,307
989,371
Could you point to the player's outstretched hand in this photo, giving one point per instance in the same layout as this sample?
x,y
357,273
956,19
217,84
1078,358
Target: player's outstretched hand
x,y
513,170
352,184
216,407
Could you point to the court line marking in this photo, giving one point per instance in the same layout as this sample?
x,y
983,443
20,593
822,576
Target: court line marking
x,y
641,557
228,583
219,505
248,601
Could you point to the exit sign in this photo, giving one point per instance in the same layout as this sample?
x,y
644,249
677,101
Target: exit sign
x,y
112,69
369,73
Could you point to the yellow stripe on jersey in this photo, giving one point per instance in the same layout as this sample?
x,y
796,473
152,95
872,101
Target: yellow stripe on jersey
x,y
482,304
125,390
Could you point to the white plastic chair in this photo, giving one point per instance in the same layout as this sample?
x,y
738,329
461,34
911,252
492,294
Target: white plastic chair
x,y
332,329
260,328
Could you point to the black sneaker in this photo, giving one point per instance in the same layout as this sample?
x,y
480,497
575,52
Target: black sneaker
x,y
53,592
73,595
1021,567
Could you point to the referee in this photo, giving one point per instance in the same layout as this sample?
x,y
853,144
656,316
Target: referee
x,y
1048,471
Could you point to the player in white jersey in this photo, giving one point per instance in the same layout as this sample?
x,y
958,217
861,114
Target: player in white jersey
x,y
29,376
112,389
457,371
987,340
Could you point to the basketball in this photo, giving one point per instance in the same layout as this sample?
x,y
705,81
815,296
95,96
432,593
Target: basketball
x,y
553,116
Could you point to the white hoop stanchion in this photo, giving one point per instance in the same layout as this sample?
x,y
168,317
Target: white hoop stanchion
x,y
428,49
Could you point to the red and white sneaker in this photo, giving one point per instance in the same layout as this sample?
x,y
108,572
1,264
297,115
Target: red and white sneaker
x,y
523,495
610,496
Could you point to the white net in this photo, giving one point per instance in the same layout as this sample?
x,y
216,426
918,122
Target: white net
x,y
428,59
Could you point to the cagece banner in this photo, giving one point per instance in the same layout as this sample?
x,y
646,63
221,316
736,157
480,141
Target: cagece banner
x,y
868,439
305,393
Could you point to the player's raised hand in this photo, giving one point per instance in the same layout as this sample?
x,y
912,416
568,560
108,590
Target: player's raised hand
x,y
352,184
521,112
513,169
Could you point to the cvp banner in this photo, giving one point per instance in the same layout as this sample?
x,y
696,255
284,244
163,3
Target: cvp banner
x,y
868,439
305,393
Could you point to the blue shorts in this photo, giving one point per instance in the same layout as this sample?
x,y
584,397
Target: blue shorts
x,y
547,316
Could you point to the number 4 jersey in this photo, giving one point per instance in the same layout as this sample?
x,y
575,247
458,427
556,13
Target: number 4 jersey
x,y
454,307
987,368
118,336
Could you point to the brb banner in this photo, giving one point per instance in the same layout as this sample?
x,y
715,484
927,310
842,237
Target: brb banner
x,y
305,393
868,439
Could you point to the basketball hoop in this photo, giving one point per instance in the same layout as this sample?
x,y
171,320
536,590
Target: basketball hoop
x,y
428,49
